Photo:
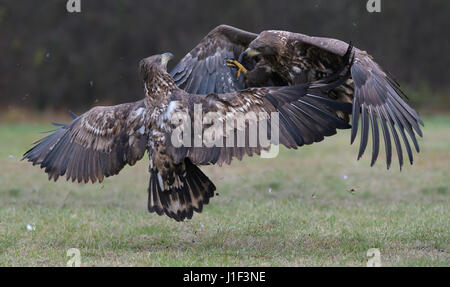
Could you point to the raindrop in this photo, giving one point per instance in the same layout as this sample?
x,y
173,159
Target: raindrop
x,y
10,156
345,177
270,190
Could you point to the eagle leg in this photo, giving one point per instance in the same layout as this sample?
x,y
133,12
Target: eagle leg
x,y
235,64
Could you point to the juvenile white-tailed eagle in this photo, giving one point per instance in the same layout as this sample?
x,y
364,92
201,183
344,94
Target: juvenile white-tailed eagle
x,y
100,142
276,58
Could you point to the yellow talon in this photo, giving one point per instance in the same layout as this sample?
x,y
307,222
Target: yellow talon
x,y
238,66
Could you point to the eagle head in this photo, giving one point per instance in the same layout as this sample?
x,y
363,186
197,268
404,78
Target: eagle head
x,y
267,44
151,65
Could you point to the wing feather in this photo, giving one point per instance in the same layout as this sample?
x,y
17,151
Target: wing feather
x,y
306,115
203,70
375,136
376,96
97,144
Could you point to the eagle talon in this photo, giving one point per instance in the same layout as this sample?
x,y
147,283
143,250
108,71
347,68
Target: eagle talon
x,y
235,64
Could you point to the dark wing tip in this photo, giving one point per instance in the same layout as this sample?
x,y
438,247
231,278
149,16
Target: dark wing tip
x,y
378,97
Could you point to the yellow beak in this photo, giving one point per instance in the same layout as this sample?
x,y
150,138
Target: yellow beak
x,y
165,58
251,53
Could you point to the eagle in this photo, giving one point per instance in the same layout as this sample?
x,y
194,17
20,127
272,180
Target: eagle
x,y
277,58
301,109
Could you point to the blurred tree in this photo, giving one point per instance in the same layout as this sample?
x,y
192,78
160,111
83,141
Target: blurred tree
x,y
52,58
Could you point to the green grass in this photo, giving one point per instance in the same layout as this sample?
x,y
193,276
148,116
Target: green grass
x,y
310,217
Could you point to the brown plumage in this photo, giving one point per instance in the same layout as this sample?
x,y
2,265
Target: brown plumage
x,y
203,69
97,144
310,84
100,142
276,58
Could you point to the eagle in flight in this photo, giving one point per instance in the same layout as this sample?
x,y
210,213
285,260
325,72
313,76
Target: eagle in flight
x,y
311,84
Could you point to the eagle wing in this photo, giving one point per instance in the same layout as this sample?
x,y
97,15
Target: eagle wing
x,y
305,115
95,145
377,98
203,70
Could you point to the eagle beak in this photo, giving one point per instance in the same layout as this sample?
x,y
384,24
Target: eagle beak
x,y
249,53
165,58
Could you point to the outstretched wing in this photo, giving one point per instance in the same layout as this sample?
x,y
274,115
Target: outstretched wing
x,y
203,70
95,145
305,115
377,98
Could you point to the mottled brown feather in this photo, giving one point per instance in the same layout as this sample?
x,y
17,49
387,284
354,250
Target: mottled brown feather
x,y
95,145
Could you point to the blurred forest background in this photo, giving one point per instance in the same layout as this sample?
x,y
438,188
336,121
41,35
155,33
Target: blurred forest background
x,y
54,60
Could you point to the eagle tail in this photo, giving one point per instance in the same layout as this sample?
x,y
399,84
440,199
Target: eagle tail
x,y
188,191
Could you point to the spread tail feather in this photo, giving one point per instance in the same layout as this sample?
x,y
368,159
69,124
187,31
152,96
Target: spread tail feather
x,y
188,192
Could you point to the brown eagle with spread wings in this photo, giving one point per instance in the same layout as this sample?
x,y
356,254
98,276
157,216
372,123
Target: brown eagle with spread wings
x,y
311,93
277,58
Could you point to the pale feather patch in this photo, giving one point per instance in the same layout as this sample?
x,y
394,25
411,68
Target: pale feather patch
x,y
296,69
171,108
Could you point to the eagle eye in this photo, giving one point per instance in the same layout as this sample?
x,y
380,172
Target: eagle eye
x,y
267,51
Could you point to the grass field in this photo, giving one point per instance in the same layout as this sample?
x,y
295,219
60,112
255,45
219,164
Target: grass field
x,y
324,208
